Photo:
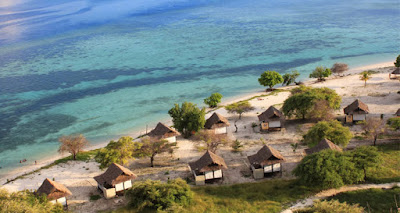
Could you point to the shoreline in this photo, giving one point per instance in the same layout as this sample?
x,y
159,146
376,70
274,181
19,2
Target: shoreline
x,y
15,173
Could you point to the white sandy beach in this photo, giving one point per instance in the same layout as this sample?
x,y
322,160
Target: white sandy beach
x,y
380,95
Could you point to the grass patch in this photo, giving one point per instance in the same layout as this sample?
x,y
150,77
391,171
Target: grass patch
x,y
373,200
94,197
389,168
266,196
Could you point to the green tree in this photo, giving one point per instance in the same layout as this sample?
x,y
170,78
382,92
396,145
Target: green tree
x,y
321,73
394,123
365,76
289,78
303,99
211,140
213,100
397,62
332,130
72,144
365,157
26,201
152,147
239,108
117,152
328,169
153,194
270,79
188,118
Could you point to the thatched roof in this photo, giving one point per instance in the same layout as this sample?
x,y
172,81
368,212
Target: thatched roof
x,y
163,131
266,156
270,113
356,106
323,144
208,162
115,174
396,71
398,112
53,190
216,121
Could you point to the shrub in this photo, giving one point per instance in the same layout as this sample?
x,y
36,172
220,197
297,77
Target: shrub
x,y
159,196
290,78
237,146
394,123
270,79
332,130
328,169
26,201
333,206
321,73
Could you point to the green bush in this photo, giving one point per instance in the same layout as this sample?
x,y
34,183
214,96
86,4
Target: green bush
x,y
328,169
213,100
321,73
270,79
332,207
26,201
394,123
159,196
332,130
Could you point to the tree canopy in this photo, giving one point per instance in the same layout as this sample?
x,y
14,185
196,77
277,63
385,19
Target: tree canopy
x,y
270,79
72,144
152,147
331,130
188,118
211,140
332,206
289,78
328,169
153,194
373,127
365,157
397,62
365,76
117,152
339,68
321,73
303,99
394,123
239,108
26,201
213,100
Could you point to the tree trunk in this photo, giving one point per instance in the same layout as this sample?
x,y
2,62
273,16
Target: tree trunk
x,y
375,137
240,116
365,84
236,128
365,174
152,161
74,155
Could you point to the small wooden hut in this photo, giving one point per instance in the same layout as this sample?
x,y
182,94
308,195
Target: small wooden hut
x,y
208,167
356,111
115,180
323,144
55,192
162,131
266,161
398,113
218,123
271,119
395,74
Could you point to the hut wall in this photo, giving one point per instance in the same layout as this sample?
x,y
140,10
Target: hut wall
x,y
218,174
171,139
209,175
62,201
257,173
119,187
199,179
53,201
274,124
359,117
128,184
108,193
221,130
276,167
268,169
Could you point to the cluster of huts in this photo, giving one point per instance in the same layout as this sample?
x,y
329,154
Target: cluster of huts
x,y
209,167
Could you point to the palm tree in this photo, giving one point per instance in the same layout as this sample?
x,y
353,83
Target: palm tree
x,y
365,76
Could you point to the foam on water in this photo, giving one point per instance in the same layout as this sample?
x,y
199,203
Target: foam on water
x,y
74,68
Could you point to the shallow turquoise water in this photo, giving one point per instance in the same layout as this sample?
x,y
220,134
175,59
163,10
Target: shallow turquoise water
x,y
106,70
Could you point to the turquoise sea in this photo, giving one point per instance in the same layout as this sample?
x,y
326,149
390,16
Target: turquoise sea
x,y
106,68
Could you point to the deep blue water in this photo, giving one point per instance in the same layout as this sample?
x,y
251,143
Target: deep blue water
x,y
108,68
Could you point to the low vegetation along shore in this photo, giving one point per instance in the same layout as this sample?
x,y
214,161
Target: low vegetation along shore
x,y
307,140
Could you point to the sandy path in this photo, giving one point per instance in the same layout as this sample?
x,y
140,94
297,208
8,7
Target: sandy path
x,y
330,192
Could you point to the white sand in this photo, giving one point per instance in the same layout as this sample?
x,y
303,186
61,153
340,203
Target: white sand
x,y
380,95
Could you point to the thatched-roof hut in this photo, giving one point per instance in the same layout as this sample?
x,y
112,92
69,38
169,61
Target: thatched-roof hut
x,y
115,180
55,192
398,113
208,167
162,131
267,160
218,123
356,111
271,119
323,144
